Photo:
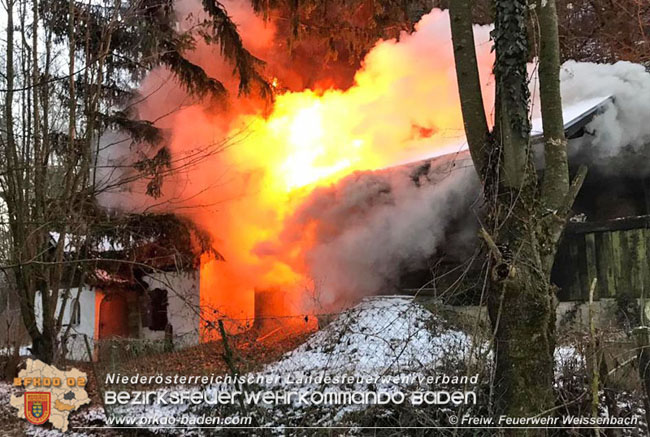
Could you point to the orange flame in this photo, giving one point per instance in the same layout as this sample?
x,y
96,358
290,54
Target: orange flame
x,y
402,107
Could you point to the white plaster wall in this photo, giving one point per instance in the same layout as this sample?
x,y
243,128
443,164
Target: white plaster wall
x,y
75,344
183,306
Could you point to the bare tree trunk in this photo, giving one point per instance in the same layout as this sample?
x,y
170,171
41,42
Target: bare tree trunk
x,y
555,185
13,187
521,301
522,235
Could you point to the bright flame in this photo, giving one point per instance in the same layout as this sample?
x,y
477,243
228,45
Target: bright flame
x,y
403,107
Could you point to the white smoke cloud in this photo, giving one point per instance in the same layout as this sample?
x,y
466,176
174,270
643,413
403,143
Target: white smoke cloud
x,y
618,138
371,227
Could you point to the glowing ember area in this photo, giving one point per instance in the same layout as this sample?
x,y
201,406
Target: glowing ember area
x,y
403,107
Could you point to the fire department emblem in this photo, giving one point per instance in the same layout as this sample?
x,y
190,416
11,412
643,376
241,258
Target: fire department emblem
x,y
37,407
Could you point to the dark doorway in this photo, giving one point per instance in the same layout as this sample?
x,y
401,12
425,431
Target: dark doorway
x,y
158,301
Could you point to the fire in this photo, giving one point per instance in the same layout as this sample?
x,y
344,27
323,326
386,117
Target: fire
x,y
402,107
302,149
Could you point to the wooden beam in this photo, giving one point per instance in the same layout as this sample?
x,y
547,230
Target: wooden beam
x,y
592,265
620,224
646,191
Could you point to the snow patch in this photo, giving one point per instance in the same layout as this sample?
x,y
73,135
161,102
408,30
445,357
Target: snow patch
x,y
380,335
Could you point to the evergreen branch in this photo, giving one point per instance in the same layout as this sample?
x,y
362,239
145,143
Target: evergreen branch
x,y
139,130
225,33
194,78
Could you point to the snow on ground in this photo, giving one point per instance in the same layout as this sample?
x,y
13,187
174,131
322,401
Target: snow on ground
x,y
390,335
23,351
380,335
567,356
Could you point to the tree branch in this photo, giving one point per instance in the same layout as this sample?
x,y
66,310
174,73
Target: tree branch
x,y
469,85
556,174
572,192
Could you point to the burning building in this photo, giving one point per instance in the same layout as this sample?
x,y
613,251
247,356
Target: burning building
x,y
403,227
312,201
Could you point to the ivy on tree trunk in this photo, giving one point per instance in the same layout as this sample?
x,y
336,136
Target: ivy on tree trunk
x,y
524,223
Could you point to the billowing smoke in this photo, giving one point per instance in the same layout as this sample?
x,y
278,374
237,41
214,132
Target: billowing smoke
x,y
617,140
297,199
369,228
